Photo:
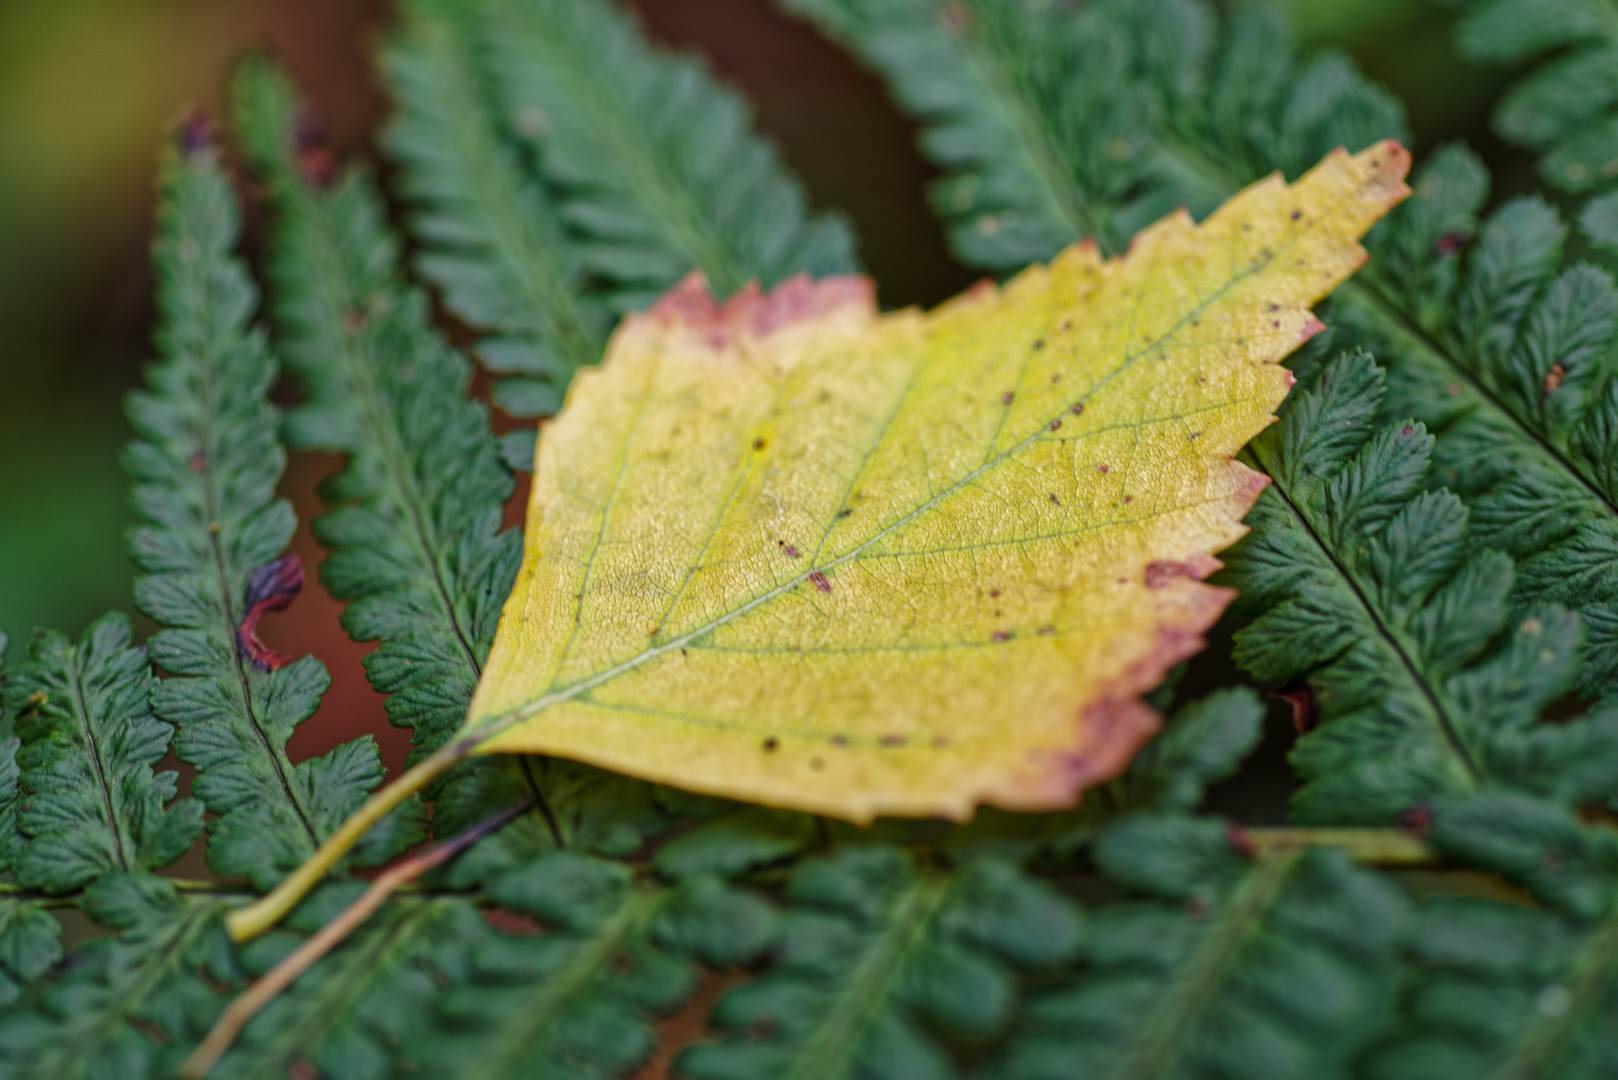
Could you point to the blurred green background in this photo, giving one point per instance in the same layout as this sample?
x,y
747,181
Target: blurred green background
x,y
88,88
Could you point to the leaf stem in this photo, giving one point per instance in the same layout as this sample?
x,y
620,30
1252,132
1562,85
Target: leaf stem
x,y
246,923
328,937
1380,847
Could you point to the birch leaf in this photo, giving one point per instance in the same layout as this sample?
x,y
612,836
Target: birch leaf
x,y
788,550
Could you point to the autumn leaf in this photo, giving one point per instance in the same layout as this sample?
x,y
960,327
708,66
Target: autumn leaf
x,y
788,550
791,551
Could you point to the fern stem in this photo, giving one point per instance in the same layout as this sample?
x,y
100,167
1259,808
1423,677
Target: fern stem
x,y
1379,847
246,923
282,975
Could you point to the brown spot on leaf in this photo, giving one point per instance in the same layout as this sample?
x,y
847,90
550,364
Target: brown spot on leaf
x,y
820,581
272,587
1554,377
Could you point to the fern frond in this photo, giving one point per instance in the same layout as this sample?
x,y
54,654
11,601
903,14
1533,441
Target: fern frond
x,y
581,998
1366,586
124,1005
1051,124
90,803
655,164
30,939
1289,960
495,244
415,537
205,463
876,952
1567,110
1510,362
348,1015
1505,990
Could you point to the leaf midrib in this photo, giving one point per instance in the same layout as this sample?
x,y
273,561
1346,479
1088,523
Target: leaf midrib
x,y
563,988
1446,725
835,1044
279,762
1158,1043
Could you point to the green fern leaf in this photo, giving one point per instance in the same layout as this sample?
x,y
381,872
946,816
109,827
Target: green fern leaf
x,y
1509,362
90,803
416,541
1289,960
348,1016
876,951
1504,990
581,998
657,171
205,464
1052,124
125,1005
30,939
1567,110
1365,585
495,243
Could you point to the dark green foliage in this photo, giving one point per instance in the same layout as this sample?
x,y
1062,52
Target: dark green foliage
x,y
1367,586
1204,743
1509,362
1053,123
496,245
30,940
1567,109
347,1016
579,1000
89,802
1277,967
127,1006
879,958
415,537
1505,990
205,464
653,162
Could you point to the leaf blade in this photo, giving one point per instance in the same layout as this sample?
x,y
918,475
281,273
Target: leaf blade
x,y
628,620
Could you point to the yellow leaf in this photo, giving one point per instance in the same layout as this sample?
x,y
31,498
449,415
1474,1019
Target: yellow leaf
x,y
788,550
792,551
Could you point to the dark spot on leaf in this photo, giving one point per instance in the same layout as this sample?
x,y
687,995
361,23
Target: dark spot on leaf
x,y
1046,631
820,581
1000,635
817,763
1055,424
1054,500
772,744
1007,397
1554,377
1296,214
1450,243
790,551
1408,429
1302,699
272,587
893,740
1039,343
1161,572
838,740
844,513
1077,409
1103,469
758,444
993,593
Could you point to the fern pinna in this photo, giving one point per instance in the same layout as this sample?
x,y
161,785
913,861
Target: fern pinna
x,y
1429,578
